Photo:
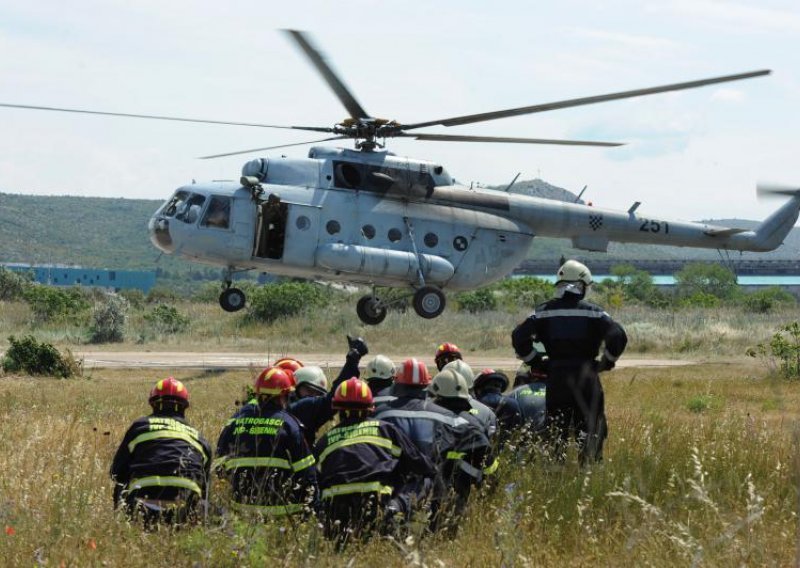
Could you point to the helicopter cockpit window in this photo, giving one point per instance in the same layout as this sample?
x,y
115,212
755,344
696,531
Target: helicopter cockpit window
x,y
189,212
218,214
176,203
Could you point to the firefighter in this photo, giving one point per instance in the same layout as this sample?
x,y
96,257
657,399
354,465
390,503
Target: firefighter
x,y
485,414
315,411
310,382
161,468
363,464
572,331
446,353
263,453
380,374
489,386
433,430
471,459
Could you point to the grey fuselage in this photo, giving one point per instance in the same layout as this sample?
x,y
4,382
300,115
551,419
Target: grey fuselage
x,y
380,219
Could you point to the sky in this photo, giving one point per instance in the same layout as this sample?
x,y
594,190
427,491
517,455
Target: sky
x,y
689,155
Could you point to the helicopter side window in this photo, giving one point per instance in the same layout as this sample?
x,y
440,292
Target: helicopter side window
x,y
176,203
218,215
189,212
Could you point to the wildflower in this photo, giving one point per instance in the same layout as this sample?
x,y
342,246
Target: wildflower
x,y
10,530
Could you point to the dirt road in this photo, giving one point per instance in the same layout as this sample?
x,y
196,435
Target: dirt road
x,y
223,360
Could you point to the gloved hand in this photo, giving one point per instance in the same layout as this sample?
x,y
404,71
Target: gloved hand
x,y
604,365
358,344
540,366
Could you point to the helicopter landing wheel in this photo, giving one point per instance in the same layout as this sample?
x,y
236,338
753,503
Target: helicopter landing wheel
x,y
371,310
429,302
232,300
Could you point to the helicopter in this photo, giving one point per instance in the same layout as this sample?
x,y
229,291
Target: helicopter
x,y
367,216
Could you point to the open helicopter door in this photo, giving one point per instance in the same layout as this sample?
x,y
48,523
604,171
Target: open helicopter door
x,y
287,232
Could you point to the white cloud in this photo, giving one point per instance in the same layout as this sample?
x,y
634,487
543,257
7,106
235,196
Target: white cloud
x,y
746,18
728,95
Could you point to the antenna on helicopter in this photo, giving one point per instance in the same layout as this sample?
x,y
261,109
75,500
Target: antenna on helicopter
x,y
513,181
578,198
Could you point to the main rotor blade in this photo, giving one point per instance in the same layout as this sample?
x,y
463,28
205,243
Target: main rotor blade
x,y
339,88
161,117
481,117
271,148
769,190
463,138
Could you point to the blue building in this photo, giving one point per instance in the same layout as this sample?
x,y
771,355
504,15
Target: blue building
x,y
56,275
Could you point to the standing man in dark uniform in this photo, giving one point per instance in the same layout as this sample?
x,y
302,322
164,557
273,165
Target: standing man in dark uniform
x,y
572,332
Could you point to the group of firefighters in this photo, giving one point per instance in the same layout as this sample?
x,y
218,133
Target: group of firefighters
x,y
404,442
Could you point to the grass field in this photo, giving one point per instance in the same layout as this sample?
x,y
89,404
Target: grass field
x,y
701,469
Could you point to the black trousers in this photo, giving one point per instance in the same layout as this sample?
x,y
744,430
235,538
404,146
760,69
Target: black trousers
x,y
155,506
576,408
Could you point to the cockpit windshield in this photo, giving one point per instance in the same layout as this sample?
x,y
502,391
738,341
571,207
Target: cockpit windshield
x,y
218,214
185,206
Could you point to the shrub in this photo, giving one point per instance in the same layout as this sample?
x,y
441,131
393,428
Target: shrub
x,y
12,285
167,319
784,347
29,356
768,299
286,299
701,300
700,403
109,319
50,303
481,300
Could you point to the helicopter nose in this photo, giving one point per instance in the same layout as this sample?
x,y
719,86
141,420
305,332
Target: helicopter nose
x,y
159,234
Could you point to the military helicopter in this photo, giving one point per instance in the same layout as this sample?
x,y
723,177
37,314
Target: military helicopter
x,y
368,216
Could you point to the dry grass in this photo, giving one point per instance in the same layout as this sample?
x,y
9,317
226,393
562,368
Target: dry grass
x,y
697,333
679,486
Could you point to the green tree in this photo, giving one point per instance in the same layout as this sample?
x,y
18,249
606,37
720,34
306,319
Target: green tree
x,y
286,299
706,279
767,300
524,292
109,319
49,303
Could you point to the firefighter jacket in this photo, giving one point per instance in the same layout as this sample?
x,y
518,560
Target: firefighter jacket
x,y
314,412
572,332
161,450
367,456
507,410
530,399
472,457
431,428
265,456
485,416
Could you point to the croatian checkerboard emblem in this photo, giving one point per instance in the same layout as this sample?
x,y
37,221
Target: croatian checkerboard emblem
x,y
595,221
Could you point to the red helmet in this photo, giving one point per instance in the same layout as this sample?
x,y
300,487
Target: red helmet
x,y
490,375
413,372
352,394
274,381
445,353
289,364
171,389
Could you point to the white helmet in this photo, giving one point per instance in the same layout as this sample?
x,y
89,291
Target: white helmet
x,y
313,377
381,367
448,383
574,271
460,367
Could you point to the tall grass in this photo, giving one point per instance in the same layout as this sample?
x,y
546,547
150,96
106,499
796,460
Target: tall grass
x,y
677,487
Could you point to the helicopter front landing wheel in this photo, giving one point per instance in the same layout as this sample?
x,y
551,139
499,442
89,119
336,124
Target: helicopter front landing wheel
x,y
371,310
232,299
429,302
